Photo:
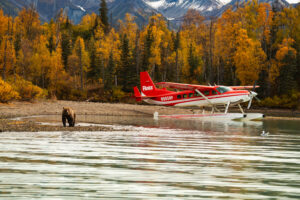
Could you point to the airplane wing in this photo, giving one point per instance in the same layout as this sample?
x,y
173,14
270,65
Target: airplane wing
x,y
243,87
183,86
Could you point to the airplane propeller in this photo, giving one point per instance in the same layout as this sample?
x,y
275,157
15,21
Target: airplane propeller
x,y
252,95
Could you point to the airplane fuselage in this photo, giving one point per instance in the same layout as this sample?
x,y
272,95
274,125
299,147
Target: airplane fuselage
x,y
192,98
190,95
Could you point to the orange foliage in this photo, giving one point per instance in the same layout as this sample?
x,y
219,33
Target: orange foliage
x,y
7,93
249,59
27,90
283,49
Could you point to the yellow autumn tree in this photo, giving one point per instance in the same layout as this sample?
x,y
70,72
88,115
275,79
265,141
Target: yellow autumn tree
x,y
283,49
129,27
40,62
56,73
156,27
79,62
155,39
249,59
228,27
257,19
3,24
192,36
7,57
28,23
107,45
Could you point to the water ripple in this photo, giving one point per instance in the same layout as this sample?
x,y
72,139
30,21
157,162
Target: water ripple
x,y
149,163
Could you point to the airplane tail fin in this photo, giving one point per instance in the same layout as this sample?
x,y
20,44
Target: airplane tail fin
x,y
137,94
147,86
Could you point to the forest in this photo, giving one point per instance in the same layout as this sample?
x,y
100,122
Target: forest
x,y
253,43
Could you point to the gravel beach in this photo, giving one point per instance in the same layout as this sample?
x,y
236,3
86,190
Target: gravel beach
x,y
87,112
84,111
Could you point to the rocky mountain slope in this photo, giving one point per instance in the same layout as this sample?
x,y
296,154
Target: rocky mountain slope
x,y
141,9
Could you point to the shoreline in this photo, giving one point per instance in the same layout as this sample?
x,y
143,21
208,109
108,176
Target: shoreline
x,y
90,110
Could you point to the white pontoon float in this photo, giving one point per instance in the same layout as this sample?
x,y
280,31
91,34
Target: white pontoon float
x,y
214,116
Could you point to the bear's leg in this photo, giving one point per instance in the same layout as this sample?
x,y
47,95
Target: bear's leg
x,y
64,121
74,119
70,121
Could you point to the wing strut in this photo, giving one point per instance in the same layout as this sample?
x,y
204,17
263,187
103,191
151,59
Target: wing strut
x,y
227,106
214,107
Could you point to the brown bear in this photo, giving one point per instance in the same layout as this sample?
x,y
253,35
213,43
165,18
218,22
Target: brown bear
x,y
70,115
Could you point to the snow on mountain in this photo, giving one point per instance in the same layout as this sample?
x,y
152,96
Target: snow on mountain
x,y
173,9
293,1
141,9
81,8
156,4
224,2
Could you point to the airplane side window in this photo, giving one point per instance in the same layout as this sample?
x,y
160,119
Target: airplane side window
x,y
190,95
179,97
214,92
206,93
185,96
223,89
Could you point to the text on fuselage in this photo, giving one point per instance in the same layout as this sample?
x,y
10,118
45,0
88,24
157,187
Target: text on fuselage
x,y
147,88
168,98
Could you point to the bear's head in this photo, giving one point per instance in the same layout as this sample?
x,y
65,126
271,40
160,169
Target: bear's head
x,y
66,111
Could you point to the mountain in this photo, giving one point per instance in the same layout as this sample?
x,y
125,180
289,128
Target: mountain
x,y
76,9
173,10
137,8
9,7
47,9
234,3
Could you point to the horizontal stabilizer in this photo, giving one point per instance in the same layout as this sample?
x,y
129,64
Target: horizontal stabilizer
x,y
137,94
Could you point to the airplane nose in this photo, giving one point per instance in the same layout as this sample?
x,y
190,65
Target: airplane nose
x,y
254,94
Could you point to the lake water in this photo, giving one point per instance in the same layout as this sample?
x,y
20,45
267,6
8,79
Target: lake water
x,y
165,159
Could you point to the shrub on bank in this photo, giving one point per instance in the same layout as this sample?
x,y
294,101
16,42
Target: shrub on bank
x,y
27,90
7,93
291,101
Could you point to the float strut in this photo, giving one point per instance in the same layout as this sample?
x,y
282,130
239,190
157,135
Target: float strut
x,y
241,108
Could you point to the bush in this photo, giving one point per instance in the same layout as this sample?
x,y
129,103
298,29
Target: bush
x,y
77,95
291,101
27,90
7,93
117,94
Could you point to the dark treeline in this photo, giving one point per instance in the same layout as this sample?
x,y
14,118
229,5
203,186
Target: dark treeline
x,y
94,61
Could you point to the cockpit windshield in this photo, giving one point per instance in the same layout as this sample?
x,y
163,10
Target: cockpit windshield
x,y
223,89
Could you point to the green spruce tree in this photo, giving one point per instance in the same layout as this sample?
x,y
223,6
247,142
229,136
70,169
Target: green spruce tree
x,y
51,43
103,11
147,50
110,73
287,78
66,44
95,64
192,60
127,73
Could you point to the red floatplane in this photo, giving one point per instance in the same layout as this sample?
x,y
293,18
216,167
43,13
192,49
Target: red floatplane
x,y
194,95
